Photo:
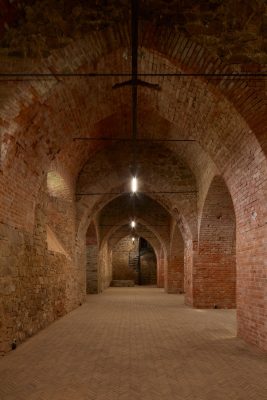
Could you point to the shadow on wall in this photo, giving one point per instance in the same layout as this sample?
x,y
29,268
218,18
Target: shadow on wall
x,y
98,263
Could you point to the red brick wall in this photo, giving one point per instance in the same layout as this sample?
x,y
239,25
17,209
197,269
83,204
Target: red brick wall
x,y
226,117
161,268
175,280
249,196
189,257
214,277
92,277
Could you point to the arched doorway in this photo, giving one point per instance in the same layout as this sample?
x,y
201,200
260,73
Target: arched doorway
x,y
134,262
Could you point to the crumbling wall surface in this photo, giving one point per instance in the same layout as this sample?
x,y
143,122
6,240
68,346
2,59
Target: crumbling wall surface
x,y
37,285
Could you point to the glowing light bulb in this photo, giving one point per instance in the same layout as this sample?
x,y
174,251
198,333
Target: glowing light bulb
x,y
133,224
134,184
133,239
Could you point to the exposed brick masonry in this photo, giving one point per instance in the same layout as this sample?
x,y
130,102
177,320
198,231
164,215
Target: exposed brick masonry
x,y
226,117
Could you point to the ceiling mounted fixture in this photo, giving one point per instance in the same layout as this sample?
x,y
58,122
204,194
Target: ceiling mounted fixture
x,y
134,184
133,224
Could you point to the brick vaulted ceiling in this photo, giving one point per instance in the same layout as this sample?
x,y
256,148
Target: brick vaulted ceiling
x,y
39,118
115,217
46,175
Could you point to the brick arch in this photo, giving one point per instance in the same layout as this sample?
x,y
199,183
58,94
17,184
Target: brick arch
x,y
248,99
205,114
179,217
50,148
240,159
128,263
214,283
112,169
155,39
142,231
155,214
145,224
151,125
157,242
99,115
149,233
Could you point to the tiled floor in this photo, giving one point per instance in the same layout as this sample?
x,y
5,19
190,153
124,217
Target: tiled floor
x,y
136,344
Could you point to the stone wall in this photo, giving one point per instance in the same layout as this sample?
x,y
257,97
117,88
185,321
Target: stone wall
x,y
37,286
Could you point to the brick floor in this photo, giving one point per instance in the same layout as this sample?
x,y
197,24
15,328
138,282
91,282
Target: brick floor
x,y
136,344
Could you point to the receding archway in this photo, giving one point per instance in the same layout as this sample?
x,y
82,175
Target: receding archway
x,y
134,261
37,130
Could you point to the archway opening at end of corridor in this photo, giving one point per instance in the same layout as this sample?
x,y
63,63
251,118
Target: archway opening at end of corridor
x,y
134,262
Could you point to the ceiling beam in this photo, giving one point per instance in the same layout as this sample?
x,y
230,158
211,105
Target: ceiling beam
x,y
141,192
230,75
130,140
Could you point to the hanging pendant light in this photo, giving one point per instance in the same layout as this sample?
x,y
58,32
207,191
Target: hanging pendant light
x,y
134,184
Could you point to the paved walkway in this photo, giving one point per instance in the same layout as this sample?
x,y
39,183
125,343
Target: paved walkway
x,y
136,344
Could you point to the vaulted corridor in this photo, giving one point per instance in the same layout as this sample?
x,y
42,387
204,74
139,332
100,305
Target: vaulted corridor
x,y
136,343
133,188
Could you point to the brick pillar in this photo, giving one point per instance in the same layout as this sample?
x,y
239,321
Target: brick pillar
x,y
161,263
214,274
92,273
175,277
